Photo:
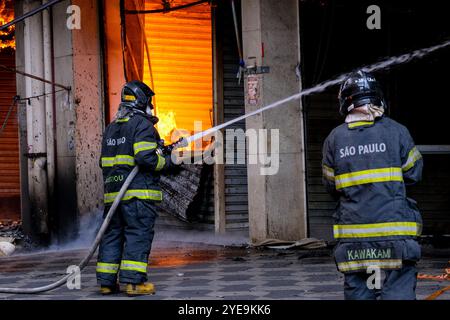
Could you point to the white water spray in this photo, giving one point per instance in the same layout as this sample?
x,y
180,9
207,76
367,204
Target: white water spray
x,y
392,61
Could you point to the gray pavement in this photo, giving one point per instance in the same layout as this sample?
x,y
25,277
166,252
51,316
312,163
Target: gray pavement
x,y
199,271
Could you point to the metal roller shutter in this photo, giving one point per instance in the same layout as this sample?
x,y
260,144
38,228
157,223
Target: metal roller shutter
x,y
236,193
180,46
320,117
433,194
9,142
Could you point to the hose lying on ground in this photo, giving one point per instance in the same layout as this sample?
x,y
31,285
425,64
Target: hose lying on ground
x,y
436,294
91,252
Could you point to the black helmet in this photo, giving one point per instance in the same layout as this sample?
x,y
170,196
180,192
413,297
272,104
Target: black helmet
x,y
136,94
358,89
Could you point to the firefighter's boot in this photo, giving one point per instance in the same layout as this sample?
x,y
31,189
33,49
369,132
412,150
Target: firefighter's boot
x,y
140,289
106,290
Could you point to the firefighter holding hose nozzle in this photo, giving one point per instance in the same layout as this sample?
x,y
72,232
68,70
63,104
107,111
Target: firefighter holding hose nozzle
x,y
131,140
367,161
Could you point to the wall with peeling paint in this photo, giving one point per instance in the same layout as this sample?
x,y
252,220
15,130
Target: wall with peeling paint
x,y
78,187
88,99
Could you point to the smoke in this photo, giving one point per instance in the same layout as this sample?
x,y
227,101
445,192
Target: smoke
x,y
89,224
164,236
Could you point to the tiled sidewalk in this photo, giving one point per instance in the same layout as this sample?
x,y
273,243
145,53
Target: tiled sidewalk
x,y
194,271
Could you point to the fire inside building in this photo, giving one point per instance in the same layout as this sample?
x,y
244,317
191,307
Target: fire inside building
x,y
9,154
198,60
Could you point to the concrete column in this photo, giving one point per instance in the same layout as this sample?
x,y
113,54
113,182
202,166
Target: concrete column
x,y
79,116
277,203
49,107
64,217
89,106
36,120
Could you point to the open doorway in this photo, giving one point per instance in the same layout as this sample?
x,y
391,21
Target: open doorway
x,y
179,66
176,52
172,53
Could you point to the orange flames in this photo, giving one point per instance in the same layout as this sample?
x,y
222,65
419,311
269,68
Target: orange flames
x,y
168,131
179,69
166,125
6,36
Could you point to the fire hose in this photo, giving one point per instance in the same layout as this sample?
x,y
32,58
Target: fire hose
x,y
91,252
392,61
442,277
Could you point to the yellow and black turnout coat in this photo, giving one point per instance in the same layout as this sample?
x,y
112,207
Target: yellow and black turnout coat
x,y
366,166
129,141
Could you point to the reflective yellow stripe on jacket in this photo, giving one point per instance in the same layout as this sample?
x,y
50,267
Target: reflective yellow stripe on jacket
x,y
328,173
120,159
161,163
121,120
385,229
143,194
413,156
364,264
368,176
131,265
103,267
143,146
352,125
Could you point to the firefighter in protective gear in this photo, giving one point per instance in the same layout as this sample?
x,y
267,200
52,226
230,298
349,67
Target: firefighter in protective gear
x,y
131,140
367,161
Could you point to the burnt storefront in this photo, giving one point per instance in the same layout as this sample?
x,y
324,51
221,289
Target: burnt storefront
x,y
9,132
189,57
188,52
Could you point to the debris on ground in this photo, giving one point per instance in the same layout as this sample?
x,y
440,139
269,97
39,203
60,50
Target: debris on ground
x,y
314,254
6,249
444,276
307,243
11,232
11,229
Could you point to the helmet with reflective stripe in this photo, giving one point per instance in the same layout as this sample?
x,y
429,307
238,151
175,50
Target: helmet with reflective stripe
x,y
358,89
137,94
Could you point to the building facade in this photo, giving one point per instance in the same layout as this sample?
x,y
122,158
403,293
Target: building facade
x,y
86,50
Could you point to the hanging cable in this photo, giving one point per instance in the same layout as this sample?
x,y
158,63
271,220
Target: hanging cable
x,y
14,70
150,71
29,14
238,42
236,30
39,96
123,35
166,9
18,99
10,110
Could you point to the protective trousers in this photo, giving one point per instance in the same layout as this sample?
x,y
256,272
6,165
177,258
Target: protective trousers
x,y
399,284
126,245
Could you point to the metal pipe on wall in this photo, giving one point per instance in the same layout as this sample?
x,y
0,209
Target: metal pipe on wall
x,y
49,99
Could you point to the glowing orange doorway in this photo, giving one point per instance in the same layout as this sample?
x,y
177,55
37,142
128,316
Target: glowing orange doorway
x,y
180,66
